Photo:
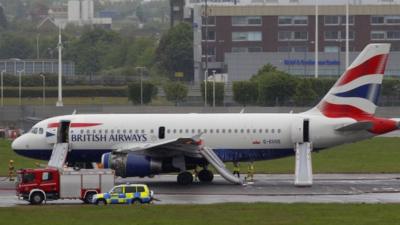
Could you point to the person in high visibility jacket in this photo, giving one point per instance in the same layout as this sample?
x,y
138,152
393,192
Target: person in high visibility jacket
x,y
195,174
250,172
236,169
11,170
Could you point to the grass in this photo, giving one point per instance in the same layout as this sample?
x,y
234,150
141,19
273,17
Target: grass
x,y
158,101
221,214
6,154
377,155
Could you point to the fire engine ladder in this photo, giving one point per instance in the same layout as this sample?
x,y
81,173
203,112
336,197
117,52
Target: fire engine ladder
x,y
214,160
303,173
58,155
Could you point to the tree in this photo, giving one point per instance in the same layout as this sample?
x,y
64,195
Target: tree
x,y
304,94
219,93
176,92
175,51
274,87
245,92
149,91
3,19
15,46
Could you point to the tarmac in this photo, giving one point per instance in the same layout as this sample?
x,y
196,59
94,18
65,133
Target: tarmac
x,y
276,188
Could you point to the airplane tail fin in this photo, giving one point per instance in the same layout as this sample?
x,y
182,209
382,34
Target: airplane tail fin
x,y
357,91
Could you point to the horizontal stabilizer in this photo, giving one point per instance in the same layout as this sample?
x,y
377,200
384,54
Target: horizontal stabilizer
x,y
357,126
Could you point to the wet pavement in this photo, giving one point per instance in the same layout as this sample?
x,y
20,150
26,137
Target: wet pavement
x,y
327,188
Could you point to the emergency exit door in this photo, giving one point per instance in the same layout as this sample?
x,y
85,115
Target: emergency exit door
x,y
63,132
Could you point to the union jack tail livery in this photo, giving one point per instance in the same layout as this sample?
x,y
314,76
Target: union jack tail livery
x,y
357,91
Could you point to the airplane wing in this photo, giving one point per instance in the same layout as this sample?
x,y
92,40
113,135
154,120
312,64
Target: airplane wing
x,y
167,148
179,147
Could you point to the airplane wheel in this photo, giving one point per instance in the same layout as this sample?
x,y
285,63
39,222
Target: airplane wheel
x,y
185,178
206,176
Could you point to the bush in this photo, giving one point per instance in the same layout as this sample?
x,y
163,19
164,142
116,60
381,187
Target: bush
x,y
304,94
219,93
97,91
149,91
175,92
245,92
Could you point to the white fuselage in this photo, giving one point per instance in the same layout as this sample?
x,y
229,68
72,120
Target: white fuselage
x,y
237,132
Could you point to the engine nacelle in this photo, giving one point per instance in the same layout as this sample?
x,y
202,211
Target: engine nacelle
x,y
131,165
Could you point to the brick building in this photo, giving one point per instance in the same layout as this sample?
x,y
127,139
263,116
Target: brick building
x,y
240,36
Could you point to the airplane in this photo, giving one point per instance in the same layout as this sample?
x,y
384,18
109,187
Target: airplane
x,y
138,145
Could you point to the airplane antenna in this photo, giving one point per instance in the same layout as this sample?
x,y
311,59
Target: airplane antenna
x,y
74,112
242,111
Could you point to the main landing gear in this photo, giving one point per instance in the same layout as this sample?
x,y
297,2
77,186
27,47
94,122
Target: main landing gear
x,y
186,178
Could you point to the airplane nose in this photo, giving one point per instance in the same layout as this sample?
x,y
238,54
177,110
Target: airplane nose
x,y
16,144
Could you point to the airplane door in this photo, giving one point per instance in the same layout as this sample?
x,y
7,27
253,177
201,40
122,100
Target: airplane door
x,y
63,131
300,130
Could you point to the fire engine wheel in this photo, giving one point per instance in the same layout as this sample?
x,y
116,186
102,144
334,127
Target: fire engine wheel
x,y
206,176
89,197
101,202
37,198
185,178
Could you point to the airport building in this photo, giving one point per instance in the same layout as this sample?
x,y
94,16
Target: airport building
x,y
36,66
240,38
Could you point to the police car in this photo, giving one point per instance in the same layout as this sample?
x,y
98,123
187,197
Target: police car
x,y
125,194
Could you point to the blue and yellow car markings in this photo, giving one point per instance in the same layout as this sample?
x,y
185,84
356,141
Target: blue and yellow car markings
x,y
144,196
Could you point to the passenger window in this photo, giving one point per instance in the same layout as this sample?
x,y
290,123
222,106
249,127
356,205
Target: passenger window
x,y
254,131
260,131
180,131
130,131
248,130
130,189
193,131
124,131
266,130
217,131
273,131
137,131
117,190
187,131
151,131
279,130
82,131
142,131
46,176
140,189
211,131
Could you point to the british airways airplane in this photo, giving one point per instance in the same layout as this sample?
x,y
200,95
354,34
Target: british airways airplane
x,y
147,144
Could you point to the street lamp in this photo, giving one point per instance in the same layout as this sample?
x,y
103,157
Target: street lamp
x,y
2,87
141,68
205,87
19,85
44,88
214,88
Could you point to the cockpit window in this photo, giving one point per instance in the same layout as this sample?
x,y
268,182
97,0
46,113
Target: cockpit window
x,y
40,130
35,130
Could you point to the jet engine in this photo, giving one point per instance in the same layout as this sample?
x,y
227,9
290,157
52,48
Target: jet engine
x,y
131,165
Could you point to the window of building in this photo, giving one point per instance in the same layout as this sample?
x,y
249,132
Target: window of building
x,y
343,20
379,20
293,35
351,35
393,35
247,49
392,19
210,21
378,35
331,20
331,35
292,20
284,35
300,35
247,36
331,49
246,20
211,35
